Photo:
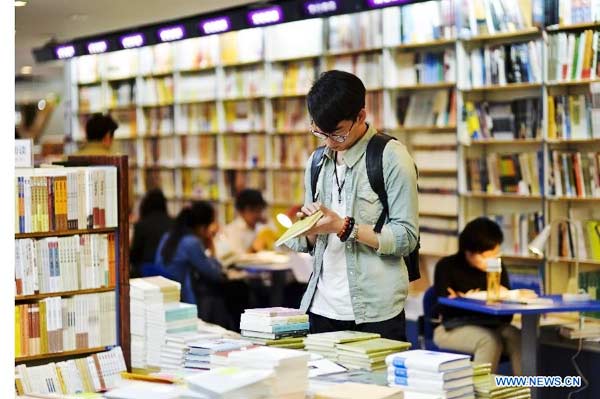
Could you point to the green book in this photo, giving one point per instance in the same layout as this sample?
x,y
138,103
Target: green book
x,y
340,337
374,345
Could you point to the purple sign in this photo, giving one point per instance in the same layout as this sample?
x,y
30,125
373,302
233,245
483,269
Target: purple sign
x,y
66,51
133,40
97,47
265,16
171,33
320,7
215,25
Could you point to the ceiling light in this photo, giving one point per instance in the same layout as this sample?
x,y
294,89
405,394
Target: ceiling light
x,y
20,3
26,70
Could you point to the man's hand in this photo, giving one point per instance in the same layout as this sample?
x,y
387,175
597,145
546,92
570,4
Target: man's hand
x,y
330,223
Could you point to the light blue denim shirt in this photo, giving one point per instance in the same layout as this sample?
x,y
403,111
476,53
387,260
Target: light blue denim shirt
x,y
378,279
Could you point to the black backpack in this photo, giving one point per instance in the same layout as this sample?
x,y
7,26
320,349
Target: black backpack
x,y
374,163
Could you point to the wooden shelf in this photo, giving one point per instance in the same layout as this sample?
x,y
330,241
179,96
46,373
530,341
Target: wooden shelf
x,y
501,196
242,98
294,59
233,133
243,64
118,79
77,352
290,132
504,36
20,298
446,147
430,129
562,28
574,141
198,101
198,70
573,199
437,215
65,233
287,95
94,83
437,172
175,167
129,107
572,260
566,83
501,141
353,52
158,105
425,86
503,88
427,44
522,258
157,74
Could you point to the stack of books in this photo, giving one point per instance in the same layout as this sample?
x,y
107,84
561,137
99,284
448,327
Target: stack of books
x,y
211,353
324,343
485,388
446,374
148,297
232,382
173,351
290,368
368,354
282,327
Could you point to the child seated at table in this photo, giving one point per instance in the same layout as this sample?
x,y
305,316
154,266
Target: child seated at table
x,y
486,337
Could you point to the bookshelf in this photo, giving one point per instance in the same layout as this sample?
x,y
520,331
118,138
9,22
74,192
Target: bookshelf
x,y
387,49
50,263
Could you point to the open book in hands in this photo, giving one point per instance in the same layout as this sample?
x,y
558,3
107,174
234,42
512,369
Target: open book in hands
x,y
299,228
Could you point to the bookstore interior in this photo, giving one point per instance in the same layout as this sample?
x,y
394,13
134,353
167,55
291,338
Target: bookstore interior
x,y
167,244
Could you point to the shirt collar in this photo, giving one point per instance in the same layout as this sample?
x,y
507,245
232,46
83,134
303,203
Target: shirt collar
x,y
354,153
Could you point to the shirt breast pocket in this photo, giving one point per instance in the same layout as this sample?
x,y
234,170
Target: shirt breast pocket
x,y
368,206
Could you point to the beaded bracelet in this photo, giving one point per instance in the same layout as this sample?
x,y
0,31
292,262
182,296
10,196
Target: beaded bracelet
x,y
344,234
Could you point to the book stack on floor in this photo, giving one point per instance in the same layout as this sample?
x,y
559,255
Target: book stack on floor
x,y
95,373
324,343
173,351
352,390
445,374
368,354
485,385
152,300
279,327
232,382
290,368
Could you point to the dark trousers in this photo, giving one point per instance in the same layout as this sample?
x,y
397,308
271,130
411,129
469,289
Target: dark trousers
x,y
394,328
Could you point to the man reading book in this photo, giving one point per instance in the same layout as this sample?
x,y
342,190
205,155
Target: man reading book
x,y
359,280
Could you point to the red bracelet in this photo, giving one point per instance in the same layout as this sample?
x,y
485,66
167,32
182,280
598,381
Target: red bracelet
x,y
340,234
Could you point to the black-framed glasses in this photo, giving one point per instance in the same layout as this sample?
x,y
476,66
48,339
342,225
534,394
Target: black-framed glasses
x,y
339,138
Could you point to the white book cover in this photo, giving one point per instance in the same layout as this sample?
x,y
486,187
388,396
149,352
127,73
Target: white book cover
x,y
222,381
430,384
428,360
429,375
265,356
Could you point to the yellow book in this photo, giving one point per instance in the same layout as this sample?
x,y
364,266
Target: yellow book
x,y
299,228
551,118
61,379
17,332
43,328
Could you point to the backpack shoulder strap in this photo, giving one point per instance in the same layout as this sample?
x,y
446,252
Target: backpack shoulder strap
x,y
374,163
315,170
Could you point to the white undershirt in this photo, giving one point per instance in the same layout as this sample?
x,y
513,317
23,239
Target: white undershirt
x,y
332,297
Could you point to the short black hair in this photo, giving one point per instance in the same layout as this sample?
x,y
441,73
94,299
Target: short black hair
x,y
480,235
336,96
98,125
249,198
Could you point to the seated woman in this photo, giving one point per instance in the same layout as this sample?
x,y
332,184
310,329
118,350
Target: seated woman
x,y
187,252
485,336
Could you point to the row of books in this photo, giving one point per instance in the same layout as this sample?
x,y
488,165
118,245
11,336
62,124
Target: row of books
x,y
426,108
57,198
91,99
121,93
485,386
448,375
514,173
573,117
303,38
355,31
244,151
157,91
404,25
196,87
517,119
578,239
488,17
56,264
366,66
292,151
276,327
573,56
247,81
519,229
503,64
196,119
95,373
288,187
290,114
294,77
575,174
156,121
589,281
244,116
569,12
56,324
411,68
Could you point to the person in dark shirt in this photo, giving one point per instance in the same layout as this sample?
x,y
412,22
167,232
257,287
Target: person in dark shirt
x,y
486,337
154,221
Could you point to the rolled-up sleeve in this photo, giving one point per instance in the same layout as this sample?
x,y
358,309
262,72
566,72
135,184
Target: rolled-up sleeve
x,y
300,244
399,235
